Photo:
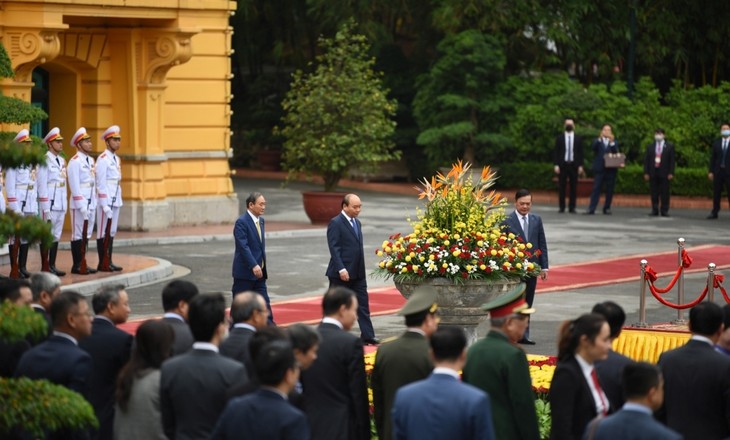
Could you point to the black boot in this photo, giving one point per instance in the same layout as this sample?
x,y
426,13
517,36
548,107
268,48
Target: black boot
x,y
85,248
52,260
23,260
113,266
76,255
100,251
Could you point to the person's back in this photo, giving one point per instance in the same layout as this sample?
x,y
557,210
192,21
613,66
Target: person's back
x,y
176,297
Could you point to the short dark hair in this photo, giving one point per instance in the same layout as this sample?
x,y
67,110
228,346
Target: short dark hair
x,y
63,304
521,193
251,199
260,339
614,314
176,291
207,311
335,298
10,289
243,306
417,319
447,343
273,361
705,318
659,130
726,316
303,337
638,378
104,296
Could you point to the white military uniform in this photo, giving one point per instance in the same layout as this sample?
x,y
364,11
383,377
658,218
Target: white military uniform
x,y
52,188
2,197
108,186
22,191
81,184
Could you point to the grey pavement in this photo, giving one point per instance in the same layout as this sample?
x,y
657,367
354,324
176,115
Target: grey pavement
x,y
297,259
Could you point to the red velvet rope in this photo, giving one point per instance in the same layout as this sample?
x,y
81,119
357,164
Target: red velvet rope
x,y
680,306
717,283
651,276
686,259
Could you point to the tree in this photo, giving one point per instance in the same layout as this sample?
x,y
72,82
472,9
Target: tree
x,y
338,116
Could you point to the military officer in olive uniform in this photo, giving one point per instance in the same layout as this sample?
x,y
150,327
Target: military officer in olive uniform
x,y
405,359
83,198
109,191
22,194
52,193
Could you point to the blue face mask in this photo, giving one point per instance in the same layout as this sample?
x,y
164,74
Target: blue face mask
x,y
725,133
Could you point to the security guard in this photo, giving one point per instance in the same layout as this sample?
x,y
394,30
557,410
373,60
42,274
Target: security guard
x,y
405,359
22,196
52,195
109,190
83,198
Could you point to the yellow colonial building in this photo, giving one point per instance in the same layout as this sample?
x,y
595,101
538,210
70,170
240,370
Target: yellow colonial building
x,y
160,69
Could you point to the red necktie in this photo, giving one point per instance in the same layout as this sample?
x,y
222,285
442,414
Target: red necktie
x,y
597,384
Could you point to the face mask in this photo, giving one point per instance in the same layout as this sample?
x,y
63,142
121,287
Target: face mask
x,y
725,133
658,138
569,128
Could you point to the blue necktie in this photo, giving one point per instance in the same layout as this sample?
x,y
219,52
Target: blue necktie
x,y
354,227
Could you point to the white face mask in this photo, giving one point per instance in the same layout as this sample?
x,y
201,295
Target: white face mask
x,y
658,138
725,133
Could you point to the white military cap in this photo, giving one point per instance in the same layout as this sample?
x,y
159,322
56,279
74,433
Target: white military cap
x,y
53,135
22,136
79,136
111,132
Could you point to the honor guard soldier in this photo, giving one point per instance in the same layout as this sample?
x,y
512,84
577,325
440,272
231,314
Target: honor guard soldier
x,y
109,190
83,200
22,198
52,197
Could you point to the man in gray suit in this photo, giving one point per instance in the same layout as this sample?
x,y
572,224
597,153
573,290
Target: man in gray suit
x,y
193,385
249,314
176,297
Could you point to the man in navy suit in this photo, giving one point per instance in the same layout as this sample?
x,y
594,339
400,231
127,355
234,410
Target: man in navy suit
x,y
176,297
110,349
659,171
610,369
568,160
249,261
45,286
529,228
347,261
441,406
719,172
643,386
265,414
602,145
249,314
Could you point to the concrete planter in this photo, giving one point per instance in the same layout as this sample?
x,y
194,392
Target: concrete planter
x,y
322,206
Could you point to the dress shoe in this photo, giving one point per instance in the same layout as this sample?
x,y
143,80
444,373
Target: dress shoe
x,y
711,217
526,341
665,214
653,214
561,210
589,213
607,212
371,341
573,211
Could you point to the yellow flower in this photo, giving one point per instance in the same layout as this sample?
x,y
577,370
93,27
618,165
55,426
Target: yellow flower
x,y
408,258
457,236
404,270
380,253
388,249
520,254
385,244
412,254
421,258
480,243
381,264
529,245
483,267
447,242
456,253
432,257
518,265
494,252
445,265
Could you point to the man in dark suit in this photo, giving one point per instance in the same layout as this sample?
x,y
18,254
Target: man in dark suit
x,y
719,172
496,365
529,228
697,380
59,359
406,359
16,292
193,385
335,390
347,261
659,171
441,406
249,260
602,145
110,349
610,369
643,386
249,314
45,286
568,160
176,297
266,414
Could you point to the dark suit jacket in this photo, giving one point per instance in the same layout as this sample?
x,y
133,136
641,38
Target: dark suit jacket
x,y
696,391
335,391
441,407
500,369
536,235
716,157
193,390
609,374
41,311
346,251
599,150
666,167
397,363
262,415
110,349
250,249
10,354
628,424
559,151
60,361
183,336
236,348
571,401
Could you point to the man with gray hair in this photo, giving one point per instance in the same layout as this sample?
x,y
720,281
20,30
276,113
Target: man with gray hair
x,y
45,286
248,313
110,349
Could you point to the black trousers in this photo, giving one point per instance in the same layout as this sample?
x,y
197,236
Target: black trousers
x,y
360,287
720,181
568,177
659,187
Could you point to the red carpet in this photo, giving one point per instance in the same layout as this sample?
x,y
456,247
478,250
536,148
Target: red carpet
x,y
387,300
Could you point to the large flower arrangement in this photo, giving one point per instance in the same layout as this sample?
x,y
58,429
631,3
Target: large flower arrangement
x,y
459,234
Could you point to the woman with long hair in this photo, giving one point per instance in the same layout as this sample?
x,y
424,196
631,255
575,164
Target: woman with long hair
x,y
576,396
137,412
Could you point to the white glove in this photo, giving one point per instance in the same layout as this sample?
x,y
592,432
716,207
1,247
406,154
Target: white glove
x,y
84,213
107,212
92,213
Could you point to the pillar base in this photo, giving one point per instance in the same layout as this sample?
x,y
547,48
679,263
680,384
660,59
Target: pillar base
x,y
178,211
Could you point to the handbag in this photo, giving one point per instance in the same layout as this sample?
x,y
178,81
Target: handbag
x,y
614,160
